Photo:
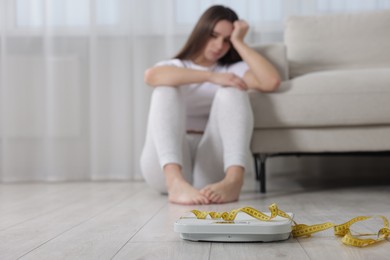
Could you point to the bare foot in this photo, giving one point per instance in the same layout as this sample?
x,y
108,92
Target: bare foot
x,y
179,190
227,190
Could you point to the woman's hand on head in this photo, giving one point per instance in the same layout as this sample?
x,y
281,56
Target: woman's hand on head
x,y
240,29
228,80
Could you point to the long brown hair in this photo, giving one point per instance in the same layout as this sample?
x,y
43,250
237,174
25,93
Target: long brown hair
x,y
203,31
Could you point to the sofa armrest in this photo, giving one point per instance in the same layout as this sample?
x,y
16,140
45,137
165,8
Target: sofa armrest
x,y
276,54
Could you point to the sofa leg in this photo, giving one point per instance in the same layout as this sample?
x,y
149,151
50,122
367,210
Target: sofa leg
x,y
263,158
257,170
260,170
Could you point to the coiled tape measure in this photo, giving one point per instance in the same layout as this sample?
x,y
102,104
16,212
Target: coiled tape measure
x,y
249,224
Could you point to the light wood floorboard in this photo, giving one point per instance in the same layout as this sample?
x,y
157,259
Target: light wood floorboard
x,y
128,220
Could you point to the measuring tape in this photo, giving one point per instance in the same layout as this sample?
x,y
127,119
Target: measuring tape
x,y
300,230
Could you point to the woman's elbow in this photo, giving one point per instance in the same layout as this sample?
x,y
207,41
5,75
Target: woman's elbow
x,y
272,85
148,76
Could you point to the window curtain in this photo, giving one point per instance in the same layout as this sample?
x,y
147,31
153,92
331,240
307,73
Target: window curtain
x,y
73,104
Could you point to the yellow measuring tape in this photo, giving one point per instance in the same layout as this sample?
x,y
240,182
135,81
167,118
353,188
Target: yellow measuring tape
x,y
299,230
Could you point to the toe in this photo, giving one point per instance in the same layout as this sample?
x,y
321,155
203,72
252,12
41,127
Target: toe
x,y
206,192
215,197
205,200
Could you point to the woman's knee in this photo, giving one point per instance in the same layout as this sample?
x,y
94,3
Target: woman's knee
x,y
232,95
232,101
166,101
166,93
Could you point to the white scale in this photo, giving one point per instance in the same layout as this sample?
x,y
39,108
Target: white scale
x,y
243,229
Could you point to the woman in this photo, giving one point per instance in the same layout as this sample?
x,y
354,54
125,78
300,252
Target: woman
x,y
200,119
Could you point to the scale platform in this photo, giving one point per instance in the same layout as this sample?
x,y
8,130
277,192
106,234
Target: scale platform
x,y
243,229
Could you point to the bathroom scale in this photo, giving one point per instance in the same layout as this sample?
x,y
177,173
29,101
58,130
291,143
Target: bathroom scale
x,y
243,228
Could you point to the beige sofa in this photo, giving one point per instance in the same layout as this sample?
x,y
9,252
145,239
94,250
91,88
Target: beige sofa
x,y
335,97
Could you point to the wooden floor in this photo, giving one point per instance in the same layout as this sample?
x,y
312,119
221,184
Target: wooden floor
x,y
127,220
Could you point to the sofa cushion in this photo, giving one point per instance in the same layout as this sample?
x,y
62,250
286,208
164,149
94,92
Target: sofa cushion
x,y
320,140
327,99
337,41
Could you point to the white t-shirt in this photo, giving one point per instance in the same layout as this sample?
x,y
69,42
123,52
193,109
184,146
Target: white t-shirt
x,y
199,97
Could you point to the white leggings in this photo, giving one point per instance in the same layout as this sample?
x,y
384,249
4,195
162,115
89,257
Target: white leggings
x,y
205,158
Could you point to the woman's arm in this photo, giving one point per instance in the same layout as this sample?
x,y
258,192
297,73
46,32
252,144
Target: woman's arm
x,y
261,75
176,76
